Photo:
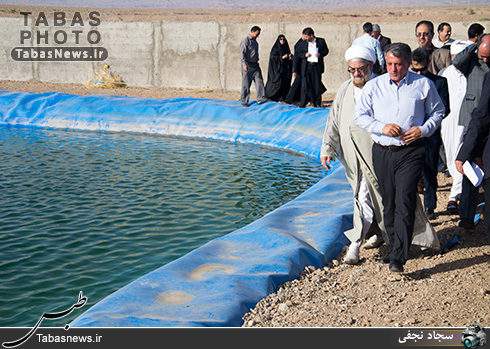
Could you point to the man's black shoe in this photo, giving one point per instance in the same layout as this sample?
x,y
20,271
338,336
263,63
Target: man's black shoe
x,y
466,224
396,267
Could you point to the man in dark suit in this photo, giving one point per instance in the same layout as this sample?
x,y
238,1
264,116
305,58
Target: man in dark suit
x,y
383,40
420,65
310,53
476,147
474,63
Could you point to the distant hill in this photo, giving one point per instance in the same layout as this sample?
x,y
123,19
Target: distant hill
x,y
240,4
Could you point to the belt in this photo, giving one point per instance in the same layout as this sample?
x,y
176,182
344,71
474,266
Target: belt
x,y
398,147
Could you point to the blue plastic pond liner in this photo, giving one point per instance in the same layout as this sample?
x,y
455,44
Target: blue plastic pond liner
x,y
216,284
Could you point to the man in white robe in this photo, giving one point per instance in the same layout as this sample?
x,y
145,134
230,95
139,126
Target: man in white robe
x,y
337,140
451,131
352,146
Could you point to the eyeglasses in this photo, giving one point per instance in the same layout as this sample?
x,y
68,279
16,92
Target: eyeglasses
x,y
422,34
415,70
360,69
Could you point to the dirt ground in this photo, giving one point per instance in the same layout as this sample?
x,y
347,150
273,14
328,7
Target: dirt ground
x,y
471,13
145,92
435,290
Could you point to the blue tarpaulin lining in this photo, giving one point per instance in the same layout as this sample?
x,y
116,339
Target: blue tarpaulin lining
x,y
216,284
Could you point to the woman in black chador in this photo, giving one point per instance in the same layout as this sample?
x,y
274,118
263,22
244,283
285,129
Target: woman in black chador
x,y
280,70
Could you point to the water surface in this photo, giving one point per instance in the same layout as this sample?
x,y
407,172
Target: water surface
x,y
82,211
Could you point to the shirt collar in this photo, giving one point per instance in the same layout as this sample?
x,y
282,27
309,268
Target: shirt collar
x,y
407,79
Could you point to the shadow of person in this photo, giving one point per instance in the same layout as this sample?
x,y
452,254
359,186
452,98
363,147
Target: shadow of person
x,y
449,266
467,240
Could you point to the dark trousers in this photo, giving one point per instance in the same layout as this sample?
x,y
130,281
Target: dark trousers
x,y
432,146
398,174
312,87
468,200
486,213
294,93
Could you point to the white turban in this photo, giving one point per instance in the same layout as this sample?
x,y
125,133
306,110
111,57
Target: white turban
x,y
458,46
360,52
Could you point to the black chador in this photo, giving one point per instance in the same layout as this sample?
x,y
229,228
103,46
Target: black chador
x,y
280,70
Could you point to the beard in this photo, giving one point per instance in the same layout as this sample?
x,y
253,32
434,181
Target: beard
x,y
360,82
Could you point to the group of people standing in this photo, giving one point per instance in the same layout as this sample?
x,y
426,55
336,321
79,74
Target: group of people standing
x,y
386,131
388,122
306,65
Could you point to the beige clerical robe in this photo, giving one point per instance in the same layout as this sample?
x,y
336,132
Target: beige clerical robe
x,y
353,147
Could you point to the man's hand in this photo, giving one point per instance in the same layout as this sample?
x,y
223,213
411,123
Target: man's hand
x,y
326,162
392,130
459,166
245,68
412,135
307,54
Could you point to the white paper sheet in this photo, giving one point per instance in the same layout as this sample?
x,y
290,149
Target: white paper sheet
x,y
473,172
313,50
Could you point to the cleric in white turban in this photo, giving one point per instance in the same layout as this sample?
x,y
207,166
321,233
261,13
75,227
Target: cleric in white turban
x,y
343,140
363,57
357,52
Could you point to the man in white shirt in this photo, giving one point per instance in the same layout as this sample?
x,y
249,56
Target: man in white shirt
x,y
371,43
311,53
399,108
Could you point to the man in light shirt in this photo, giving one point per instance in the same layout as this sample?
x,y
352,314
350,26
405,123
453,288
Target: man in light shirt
x,y
371,43
398,109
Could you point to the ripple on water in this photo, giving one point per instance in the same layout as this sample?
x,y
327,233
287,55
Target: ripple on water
x,y
92,212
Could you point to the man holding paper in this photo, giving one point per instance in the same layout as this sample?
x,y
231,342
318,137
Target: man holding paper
x,y
311,52
475,146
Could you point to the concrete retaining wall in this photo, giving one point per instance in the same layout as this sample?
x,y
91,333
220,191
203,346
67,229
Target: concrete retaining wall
x,y
191,55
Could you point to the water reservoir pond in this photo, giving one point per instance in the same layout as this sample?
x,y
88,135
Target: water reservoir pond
x,y
83,211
